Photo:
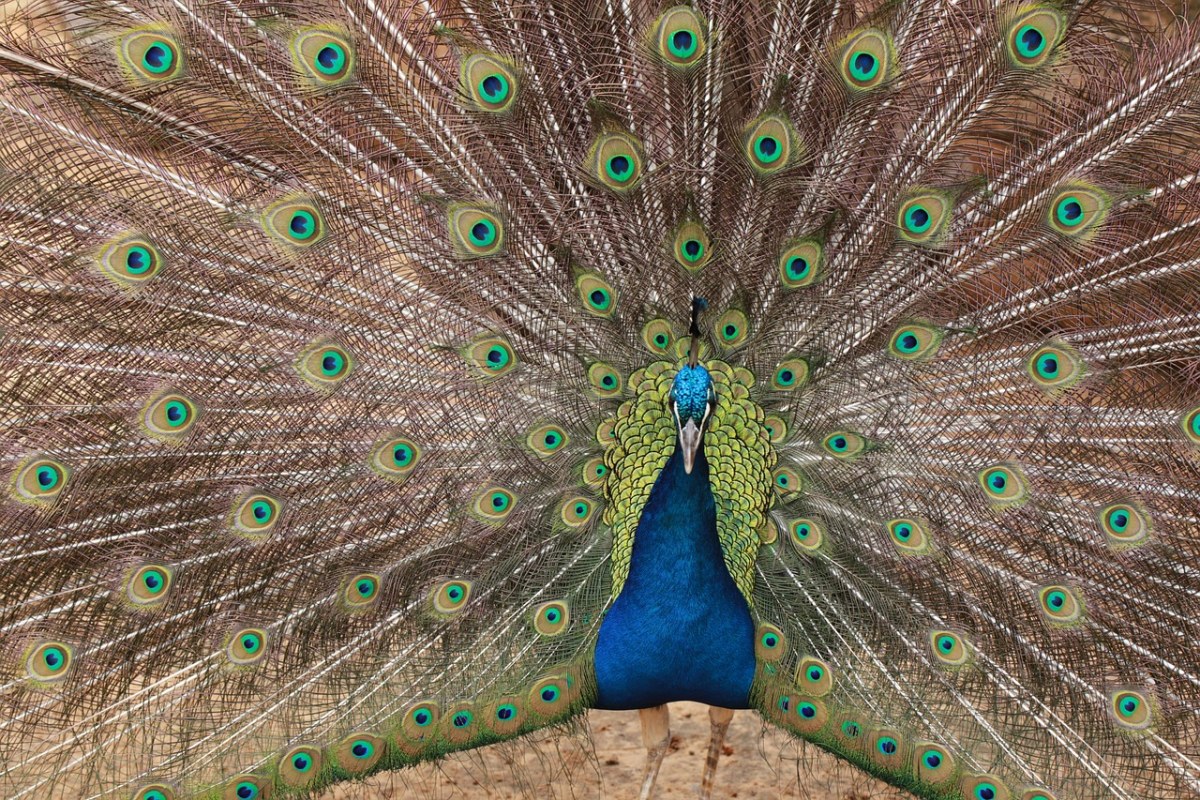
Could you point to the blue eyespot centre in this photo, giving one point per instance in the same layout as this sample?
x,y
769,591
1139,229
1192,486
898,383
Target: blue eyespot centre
x,y
682,40
156,56
1072,210
421,717
887,746
549,694
299,224
620,165
807,710
933,760
864,62
908,342
360,750
328,57
1032,39
767,145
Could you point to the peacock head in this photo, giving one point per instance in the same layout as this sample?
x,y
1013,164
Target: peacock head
x,y
692,400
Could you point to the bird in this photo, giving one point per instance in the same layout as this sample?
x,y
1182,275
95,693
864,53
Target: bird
x,y
384,379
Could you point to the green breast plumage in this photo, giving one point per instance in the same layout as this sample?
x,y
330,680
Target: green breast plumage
x,y
639,439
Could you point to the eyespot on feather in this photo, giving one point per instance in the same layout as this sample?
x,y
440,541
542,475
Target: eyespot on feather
x,y
256,514
169,416
295,223
490,82
679,37
1032,36
1077,210
801,263
692,246
150,55
771,144
49,662
867,60
323,56
130,260
40,481
148,586
300,766
476,231
615,161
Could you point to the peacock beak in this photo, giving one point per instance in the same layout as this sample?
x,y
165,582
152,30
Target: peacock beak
x,y
689,438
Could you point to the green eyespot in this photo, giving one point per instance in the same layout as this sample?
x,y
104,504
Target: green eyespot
x,y
814,677
295,223
800,263
933,764
787,481
1055,367
49,662
867,60
150,56
494,504
844,445
658,336
775,427
300,766
692,247
358,752
605,380
599,298
155,791
1077,209
791,374
490,82
491,356
324,364
731,329
924,217
505,716
451,596
1033,35
1061,606
549,697
679,37
806,535
246,787
575,512
949,648
361,591
1190,423
910,536
595,471
395,457
1004,485
770,645
256,514
420,721
887,748
1131,709
130,260
169,417
246,646
475,231
551,619
615,160
771,144
984,787
546,440
40,480
324,57
811,715
1125,525
915,342
459,723
148,586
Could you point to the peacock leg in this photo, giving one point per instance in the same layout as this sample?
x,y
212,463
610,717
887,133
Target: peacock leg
x,y
656,735
720,718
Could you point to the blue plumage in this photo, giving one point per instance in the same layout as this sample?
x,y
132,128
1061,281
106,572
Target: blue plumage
x,y
662,640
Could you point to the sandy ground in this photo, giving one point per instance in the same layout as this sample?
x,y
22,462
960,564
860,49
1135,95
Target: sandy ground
x,y
757,764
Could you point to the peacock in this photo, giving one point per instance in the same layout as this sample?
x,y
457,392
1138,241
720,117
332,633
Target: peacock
x,y
382,379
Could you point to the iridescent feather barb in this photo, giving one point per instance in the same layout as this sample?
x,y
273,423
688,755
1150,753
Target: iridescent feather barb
x,y
351,417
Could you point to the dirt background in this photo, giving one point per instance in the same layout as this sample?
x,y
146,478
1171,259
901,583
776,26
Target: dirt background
x,y
604,759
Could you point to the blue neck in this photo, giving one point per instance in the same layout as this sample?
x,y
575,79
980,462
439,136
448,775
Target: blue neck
x,y
680,629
